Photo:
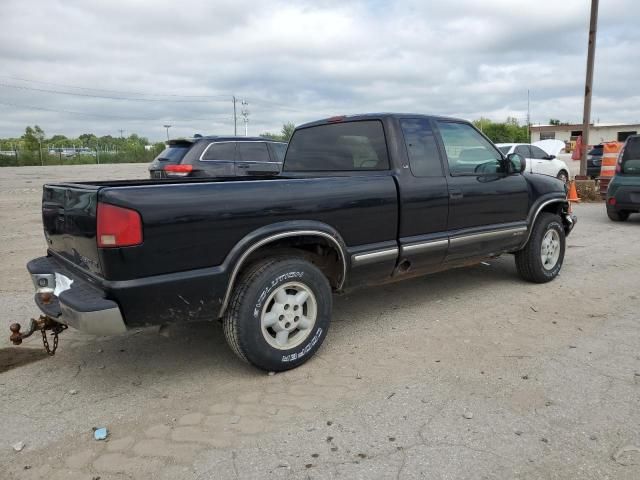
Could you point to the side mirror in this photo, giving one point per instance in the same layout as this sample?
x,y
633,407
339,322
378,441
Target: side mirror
x,y
549,157
516,163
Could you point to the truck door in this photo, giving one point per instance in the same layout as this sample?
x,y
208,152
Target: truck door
x,y
424,198
487,207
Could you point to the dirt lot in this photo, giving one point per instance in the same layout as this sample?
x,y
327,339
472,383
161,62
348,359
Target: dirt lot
x,y
470,373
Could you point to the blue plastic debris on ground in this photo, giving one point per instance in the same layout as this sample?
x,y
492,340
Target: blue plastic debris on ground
x,y
100,433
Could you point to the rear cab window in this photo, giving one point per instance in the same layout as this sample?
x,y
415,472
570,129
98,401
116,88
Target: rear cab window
x,y
631,157
345,146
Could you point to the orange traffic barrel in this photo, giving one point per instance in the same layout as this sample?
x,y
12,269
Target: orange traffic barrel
x,y
610,153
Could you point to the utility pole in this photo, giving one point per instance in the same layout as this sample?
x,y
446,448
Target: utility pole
x,y
121,132
586,117
167,127
528,117
235,118
245,116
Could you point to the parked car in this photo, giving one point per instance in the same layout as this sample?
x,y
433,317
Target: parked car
x,y
362,200
623,194
219,157
594,161
538,160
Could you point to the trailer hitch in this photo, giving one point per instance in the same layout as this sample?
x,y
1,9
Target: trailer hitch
x,y
42,324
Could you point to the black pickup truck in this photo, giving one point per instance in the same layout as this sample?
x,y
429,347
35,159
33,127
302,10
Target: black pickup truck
x,y
361,200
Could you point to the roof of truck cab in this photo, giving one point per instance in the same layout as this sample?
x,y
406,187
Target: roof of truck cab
x,y
375,116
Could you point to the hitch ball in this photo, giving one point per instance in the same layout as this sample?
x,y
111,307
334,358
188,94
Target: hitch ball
x,y
16,336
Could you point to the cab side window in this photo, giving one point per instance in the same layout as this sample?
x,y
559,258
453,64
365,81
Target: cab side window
x,y
424,157
468,152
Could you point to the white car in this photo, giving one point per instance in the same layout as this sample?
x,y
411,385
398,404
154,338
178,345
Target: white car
x,y
540,160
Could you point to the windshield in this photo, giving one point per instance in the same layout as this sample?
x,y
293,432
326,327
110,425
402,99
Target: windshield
x,y
173,153
505,149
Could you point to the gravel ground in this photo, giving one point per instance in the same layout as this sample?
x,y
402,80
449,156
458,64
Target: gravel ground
x,y
470,373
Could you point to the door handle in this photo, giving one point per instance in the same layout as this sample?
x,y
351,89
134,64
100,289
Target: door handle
x,y
455,194
242,166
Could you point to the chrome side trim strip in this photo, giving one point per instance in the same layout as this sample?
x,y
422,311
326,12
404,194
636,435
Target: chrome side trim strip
x,y
272,238
422,247
535,217
373,257
478,237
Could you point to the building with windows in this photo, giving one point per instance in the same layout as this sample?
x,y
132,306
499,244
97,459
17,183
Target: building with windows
x,y
598,133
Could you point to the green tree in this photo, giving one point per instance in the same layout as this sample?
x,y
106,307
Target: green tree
x,y
509,131
284,135
33,137
287,131
88,140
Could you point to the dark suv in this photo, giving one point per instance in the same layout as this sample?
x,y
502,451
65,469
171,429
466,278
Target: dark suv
x,y
219,157
623,194
594,161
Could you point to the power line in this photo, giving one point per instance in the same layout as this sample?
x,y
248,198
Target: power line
x,y
123,92
77,94
113,117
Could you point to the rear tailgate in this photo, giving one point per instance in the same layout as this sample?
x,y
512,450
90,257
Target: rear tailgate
x,y
69,219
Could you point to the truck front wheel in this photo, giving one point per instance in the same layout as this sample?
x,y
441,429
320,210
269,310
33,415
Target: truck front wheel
x,y
279,313
541,259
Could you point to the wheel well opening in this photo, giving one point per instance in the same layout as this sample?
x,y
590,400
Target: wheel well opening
x,y
555,208
321,252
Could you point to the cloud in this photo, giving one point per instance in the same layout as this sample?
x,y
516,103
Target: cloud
x,y
304,60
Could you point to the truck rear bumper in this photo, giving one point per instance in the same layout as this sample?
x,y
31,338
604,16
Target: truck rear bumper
x,y
71,300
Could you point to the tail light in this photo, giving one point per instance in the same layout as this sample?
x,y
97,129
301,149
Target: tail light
x,y
178,170
118,226
612,201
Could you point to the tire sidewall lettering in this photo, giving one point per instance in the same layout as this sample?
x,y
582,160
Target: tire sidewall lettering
x,y
264,294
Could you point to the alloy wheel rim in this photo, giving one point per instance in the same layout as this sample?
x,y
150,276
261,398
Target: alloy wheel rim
x,y
288,315
550,249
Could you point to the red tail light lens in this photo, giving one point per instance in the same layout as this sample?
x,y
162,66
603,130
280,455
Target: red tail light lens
x,y
612,201
118,226
178,170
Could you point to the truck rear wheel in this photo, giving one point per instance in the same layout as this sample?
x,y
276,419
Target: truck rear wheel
x,y
541,259
279,313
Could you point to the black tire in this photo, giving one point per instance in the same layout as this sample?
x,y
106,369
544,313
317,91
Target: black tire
x,y
528,261
617,215
563,176
242,321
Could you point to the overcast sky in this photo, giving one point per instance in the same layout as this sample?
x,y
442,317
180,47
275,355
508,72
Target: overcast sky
x,y
136,65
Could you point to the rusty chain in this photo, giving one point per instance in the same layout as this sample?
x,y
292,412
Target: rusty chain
x,y
55,331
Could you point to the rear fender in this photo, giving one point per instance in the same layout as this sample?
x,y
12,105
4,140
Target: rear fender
x,y
262,237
